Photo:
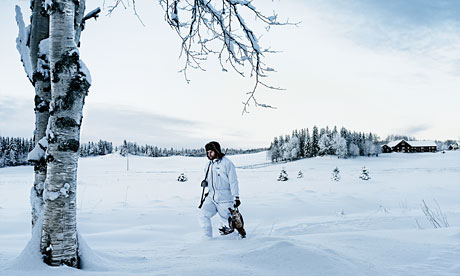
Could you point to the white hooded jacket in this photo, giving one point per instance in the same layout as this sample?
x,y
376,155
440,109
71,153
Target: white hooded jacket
x,y
222,180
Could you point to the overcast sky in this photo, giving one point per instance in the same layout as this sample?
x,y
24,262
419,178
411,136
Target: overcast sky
x,y
388,67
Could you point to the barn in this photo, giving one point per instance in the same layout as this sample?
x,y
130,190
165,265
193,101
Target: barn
x,y
409,146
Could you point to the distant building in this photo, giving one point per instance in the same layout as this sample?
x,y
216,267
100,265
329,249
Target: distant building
x,y
454,146
409,146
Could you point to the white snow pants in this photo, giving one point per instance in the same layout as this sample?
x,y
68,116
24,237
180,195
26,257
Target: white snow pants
x,y
209,209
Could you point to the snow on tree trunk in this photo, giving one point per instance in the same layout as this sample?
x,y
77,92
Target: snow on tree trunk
x,y
34,54
22,43
39,30
39,53
69,86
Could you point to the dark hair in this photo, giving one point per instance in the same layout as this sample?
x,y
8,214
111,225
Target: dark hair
x,y
214,146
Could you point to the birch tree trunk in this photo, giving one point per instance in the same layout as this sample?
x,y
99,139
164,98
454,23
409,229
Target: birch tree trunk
x,y
69,86
41,82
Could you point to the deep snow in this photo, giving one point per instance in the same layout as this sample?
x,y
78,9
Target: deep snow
x,y
144,222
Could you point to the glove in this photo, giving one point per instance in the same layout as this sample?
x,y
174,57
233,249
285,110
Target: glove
x,y
237,203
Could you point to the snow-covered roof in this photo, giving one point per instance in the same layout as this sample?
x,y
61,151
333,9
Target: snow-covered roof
x,y
422,143
413,143
394,143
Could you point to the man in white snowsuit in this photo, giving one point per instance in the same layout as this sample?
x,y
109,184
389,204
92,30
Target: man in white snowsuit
x,y
223,190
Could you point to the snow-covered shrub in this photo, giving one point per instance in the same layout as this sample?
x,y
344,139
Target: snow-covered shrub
x,y
283,175
300,174
291,149
182,178
336,174
339,145
364,174
325,145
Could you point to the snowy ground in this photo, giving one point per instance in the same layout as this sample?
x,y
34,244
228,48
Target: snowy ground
x,y
144,222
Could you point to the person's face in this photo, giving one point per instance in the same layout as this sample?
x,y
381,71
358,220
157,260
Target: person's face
x,y
211,154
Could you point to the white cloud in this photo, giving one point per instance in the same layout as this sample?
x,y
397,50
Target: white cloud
x,y
17,118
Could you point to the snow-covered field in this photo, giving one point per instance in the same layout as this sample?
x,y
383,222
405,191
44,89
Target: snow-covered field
x,y
144,222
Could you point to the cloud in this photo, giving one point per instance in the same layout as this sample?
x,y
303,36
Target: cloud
x,y
394,13
117,124
413,130
17,117
417,28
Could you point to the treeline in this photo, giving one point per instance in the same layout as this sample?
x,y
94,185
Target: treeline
x,y
324,141
154,151
14,150
95,149
447,145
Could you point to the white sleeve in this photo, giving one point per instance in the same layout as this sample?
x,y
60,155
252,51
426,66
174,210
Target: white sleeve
x,y
233,180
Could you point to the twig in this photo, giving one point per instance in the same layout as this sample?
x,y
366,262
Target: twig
x,y
435,217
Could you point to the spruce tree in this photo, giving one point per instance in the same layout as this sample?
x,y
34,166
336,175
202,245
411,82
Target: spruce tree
x,y
300,174
283,175
315,140
336,174
302,141
364,174
308,144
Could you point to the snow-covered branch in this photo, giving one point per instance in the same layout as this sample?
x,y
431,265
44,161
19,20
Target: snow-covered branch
x,y
116,3
38,151
92,14
219,27
22,43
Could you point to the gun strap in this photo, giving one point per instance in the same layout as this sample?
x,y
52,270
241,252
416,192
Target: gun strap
x,y
202,193
207,171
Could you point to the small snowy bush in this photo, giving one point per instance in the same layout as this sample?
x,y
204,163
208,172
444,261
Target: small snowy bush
x,y
182,178
283,176
300,174
364,174
336,174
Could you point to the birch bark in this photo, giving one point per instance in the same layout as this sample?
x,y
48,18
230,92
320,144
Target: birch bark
x,y
69,86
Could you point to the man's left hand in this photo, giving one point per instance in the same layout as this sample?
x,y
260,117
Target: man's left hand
x,y
237,203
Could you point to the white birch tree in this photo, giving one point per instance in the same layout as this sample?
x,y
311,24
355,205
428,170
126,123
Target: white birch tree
x,y
353,150
325,144
339,145
52,63
291,149
70,82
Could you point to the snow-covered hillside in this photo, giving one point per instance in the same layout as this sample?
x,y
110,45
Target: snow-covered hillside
x,y
144,222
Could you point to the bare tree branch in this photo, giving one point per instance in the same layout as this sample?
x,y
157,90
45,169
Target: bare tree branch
x,y
203,24
111,8
218,27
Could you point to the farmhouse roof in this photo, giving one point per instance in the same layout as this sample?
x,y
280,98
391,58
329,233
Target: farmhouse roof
x,y
394,143
422,143
413,143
